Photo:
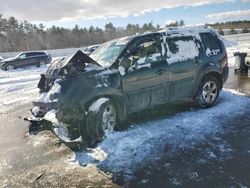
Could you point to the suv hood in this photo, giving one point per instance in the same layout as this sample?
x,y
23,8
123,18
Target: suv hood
x,y
8,59
78,61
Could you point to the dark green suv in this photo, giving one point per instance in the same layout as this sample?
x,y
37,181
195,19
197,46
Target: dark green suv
x,y
90,96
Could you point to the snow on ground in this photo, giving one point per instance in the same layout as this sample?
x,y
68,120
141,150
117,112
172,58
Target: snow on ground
x,y
18,86
125,152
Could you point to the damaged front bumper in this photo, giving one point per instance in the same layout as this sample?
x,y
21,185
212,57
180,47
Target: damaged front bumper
x,y
46,109
61,130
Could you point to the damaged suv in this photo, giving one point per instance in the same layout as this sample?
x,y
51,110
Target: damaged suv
x,y
88,97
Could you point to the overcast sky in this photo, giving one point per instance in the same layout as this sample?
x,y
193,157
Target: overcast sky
x,y
67,13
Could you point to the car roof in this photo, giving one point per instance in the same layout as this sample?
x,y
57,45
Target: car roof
x,y
28,52
92,46
173,31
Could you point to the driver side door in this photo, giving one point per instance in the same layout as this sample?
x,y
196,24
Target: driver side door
x,y
145,80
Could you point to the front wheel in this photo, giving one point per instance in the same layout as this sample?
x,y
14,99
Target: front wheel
x,y
9,67
209,91
101,119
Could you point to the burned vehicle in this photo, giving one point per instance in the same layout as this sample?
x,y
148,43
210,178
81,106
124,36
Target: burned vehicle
x,y
88,97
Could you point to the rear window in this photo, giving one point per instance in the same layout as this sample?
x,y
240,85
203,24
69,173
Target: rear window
x,y
211,44
181,49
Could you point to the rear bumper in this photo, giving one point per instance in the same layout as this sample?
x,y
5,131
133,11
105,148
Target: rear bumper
x,y
225,73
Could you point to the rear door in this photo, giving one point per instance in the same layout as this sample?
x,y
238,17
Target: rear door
x,y
145,81
24,60
182,57
33,58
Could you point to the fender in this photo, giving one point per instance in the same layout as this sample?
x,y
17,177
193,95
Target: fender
x,y
211,68
78,93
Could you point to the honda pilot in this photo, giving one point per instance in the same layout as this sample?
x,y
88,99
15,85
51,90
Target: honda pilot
x,y
86,98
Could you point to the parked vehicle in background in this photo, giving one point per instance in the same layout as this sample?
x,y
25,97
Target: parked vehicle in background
x,y
90,49
88,97
26,59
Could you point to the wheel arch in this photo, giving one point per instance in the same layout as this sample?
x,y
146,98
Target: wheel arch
x,y
116,100
8,64
214,73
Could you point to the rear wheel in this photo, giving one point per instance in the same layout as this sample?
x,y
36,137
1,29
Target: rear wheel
x,y
101,119
9,67
209,91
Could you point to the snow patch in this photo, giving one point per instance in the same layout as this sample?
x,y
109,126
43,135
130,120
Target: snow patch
x,y
97,104
18,87
186,50
143,144
229,43
122,70
46,97
212,52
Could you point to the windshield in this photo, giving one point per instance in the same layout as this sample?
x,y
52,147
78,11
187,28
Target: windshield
x,y
107,53
17,56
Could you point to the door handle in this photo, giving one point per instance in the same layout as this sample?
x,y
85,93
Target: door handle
x,y
160,71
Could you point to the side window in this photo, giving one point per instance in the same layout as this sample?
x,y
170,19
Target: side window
x,y
30,54
211,44
181,49
142,54
39,53
23,56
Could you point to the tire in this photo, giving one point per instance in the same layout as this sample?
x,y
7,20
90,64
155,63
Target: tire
x,y
9,67
208,92
42,63
101,120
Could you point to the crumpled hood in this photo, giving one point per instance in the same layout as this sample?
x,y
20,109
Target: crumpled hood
x,y
79,59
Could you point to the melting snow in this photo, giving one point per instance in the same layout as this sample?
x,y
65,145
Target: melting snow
x,y
45,97
124,152
97,104
186,50
18,87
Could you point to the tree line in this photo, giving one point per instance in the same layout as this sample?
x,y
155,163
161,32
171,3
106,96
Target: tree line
x,y
23,36
18,35
243,25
